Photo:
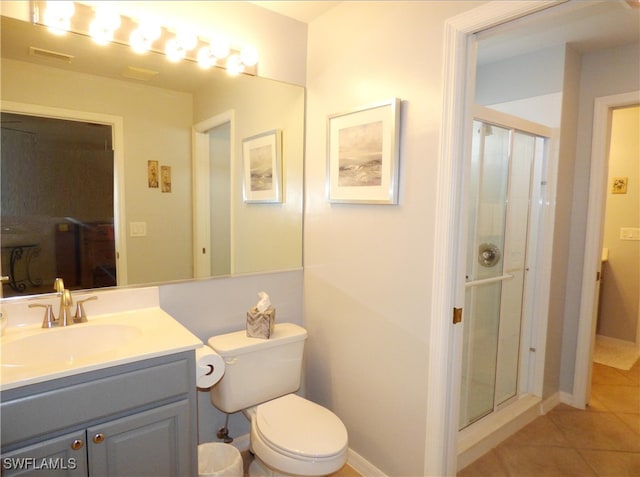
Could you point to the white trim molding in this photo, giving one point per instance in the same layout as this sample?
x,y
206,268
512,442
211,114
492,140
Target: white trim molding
x,y
444,355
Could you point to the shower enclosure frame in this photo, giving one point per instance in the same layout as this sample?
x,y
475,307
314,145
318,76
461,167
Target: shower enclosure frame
x,y
525,405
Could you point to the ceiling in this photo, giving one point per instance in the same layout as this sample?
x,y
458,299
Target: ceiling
x,y
304,11
584,25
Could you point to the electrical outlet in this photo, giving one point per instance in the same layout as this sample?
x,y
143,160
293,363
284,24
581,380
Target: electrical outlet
x,y
629,233
138,229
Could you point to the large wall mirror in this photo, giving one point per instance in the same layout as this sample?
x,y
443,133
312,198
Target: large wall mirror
x,y
147,107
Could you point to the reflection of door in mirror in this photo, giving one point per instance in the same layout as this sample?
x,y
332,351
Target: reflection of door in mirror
x,y
57,200
212,200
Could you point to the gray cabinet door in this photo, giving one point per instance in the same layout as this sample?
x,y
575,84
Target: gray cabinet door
x,y
152,443
64,456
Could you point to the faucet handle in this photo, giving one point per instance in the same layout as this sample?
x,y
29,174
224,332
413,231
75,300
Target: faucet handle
x,y
81,315
49,320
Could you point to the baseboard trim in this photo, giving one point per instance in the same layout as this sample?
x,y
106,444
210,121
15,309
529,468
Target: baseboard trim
x,y
486,434
363,466
555,399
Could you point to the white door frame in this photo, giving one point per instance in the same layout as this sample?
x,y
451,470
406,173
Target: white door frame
x,y
117,134
445,340
594,236
201,191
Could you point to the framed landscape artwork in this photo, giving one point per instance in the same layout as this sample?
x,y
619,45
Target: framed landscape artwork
x,y
364,153
262,158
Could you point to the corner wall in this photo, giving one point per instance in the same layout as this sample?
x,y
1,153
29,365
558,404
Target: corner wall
x,y
367,275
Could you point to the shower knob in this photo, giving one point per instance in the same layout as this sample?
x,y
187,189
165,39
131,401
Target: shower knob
x,y
488,255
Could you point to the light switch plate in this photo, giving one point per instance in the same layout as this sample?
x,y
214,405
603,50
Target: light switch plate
x,y
138,229
629,233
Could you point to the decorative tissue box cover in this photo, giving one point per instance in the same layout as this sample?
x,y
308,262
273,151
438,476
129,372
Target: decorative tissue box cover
x,y
260,324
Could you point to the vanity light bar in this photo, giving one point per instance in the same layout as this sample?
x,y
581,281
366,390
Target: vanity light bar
x,y
107,26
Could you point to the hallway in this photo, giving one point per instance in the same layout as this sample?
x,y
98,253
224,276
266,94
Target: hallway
x,y
603,440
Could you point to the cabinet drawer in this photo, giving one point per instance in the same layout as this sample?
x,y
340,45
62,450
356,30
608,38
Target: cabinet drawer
x,y
63,408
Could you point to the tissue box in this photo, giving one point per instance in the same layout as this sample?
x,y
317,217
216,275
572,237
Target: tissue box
x,y
261,324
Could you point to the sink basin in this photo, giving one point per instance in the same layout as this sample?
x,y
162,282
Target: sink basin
x,y
65,346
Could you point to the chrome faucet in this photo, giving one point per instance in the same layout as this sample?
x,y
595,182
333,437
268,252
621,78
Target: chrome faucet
x,y
65,318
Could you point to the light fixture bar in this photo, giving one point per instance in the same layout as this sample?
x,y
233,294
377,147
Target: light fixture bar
x,y
143,36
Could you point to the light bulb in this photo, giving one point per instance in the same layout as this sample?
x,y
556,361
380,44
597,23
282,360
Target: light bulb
x,y
187,40
104,25
234,65
220,47
249,55
206,59
142,38
57,16
174,51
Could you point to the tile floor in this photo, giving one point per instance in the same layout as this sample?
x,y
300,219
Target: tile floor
x,y
603,440
346,471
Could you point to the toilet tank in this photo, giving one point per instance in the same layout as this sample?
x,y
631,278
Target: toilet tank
x,y
257,370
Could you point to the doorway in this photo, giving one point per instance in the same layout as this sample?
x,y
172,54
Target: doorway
x,y
57,204
445,336
213,141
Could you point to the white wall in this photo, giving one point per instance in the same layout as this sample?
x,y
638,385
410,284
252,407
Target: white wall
x,y
367,275
603,73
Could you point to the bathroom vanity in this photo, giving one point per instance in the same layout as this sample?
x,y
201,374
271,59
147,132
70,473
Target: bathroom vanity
x,y
127,410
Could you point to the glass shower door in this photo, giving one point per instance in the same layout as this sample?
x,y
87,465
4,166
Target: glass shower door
x,y
500,177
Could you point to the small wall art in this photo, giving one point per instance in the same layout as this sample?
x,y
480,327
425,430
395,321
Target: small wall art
x,y
364,153
165,178
619,185
262,160
152,174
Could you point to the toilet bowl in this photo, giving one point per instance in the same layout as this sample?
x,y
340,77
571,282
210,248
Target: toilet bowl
x,y
290,435
293,436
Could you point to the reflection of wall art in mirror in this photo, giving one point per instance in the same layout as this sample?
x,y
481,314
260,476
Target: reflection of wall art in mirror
x,y
364,154
619,185
152,174
165,177
262,158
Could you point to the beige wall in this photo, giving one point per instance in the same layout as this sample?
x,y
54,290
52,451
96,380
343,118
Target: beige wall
x,y
367,268
620,292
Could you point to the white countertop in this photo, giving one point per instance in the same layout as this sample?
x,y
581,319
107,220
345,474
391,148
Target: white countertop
x,y
153,333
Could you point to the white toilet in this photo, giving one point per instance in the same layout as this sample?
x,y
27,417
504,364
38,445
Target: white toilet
x,y
290,436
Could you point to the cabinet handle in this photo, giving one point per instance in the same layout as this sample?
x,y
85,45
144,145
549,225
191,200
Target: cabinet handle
x,y
77,444
98,438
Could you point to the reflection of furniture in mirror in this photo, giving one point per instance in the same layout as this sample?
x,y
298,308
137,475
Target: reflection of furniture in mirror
x,y
57,179
157,118
22,266
85,255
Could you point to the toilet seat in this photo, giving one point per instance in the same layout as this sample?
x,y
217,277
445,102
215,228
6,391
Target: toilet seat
x,y
297,436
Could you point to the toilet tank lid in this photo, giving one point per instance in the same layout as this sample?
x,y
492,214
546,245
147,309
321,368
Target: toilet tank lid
x,y
238,342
